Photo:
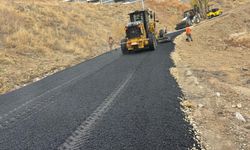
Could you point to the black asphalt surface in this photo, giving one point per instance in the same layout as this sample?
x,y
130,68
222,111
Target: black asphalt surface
x,y
112,102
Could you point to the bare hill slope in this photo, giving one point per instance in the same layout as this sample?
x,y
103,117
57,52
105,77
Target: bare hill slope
x,y
214,73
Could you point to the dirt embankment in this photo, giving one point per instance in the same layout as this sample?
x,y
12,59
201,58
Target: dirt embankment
x,y
214,74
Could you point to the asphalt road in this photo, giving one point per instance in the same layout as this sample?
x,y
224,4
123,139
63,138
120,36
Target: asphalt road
x,y
110,102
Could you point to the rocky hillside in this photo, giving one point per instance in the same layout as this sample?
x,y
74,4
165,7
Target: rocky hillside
x,y
214,73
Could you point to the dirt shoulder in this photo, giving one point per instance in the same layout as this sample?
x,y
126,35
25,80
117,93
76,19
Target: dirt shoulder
x,y
214,74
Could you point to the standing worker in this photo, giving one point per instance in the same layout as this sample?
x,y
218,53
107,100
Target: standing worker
x,y
111,42
188,33
166,30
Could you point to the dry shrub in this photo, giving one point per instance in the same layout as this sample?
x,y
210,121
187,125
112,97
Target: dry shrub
x,y
18,39
5,60
10,21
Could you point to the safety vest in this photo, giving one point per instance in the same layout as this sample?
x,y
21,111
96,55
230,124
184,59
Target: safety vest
x,y
188,30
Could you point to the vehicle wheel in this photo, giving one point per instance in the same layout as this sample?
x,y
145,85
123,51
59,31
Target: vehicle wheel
x,y
197,20
152,42
189,22
169,39
124,46
161,33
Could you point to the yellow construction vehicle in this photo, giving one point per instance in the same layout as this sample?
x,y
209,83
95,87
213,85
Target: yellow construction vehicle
x,y
214,12
140,32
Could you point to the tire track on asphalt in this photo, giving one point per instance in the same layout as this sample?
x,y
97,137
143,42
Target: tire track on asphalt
x,y
82,132
23,114
31,107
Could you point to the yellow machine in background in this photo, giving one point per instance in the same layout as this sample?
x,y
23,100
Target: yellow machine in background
x,y
213,11
140,32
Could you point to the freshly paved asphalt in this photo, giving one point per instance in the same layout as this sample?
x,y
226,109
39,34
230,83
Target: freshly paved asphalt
x,y
111,102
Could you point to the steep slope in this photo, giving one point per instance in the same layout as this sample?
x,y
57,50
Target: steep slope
x,y
214,73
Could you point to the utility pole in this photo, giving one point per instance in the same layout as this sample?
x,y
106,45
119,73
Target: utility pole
x,y
143,6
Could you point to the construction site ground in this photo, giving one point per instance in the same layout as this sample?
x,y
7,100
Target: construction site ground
x,y
214,74
39,38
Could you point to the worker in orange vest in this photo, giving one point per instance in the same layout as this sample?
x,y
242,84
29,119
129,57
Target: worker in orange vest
x,y
188,33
